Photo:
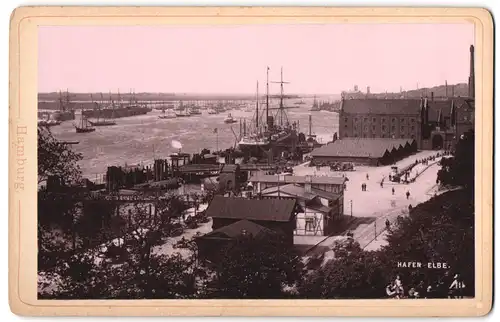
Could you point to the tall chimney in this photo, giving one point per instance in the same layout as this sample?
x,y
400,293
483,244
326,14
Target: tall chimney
x,y
446,88
471,73
432,96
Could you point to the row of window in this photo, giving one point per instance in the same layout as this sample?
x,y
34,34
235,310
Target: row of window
x,y
374,120
382,136
393,128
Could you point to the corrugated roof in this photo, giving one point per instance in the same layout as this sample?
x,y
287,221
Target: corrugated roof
x,y
382,106
268,178
360,147
300,192
236,230
291,189
251,209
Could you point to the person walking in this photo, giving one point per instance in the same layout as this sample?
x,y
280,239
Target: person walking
x,y
387,224
367,177
407,194
393,191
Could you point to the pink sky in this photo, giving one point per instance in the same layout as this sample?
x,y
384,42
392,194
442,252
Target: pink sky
x,y
317,58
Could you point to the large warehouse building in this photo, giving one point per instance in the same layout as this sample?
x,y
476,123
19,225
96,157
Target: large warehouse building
x,y
434,123
364,151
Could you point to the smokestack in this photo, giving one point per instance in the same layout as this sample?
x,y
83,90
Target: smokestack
x,y
471,73
446,88
432,96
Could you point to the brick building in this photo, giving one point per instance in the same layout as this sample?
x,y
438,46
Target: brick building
x,y
380,118
434,123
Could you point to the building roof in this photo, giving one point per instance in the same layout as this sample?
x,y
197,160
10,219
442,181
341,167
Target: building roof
x,y
236,230
251,209
269,178
300,192
360,147
230,168
382,106
437,107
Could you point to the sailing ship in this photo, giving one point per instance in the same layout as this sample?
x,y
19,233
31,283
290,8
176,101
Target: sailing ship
x,y
315,107
121,110
229,119
84,125
265,136
103,121
182,111
64,113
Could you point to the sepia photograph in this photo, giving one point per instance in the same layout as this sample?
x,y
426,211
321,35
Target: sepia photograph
x,y
256,161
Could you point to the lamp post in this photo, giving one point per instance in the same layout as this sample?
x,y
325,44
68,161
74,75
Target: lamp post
x,y
351,208
375,229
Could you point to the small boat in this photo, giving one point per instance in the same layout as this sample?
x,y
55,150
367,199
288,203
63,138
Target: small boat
x,y
212,111
194,111
84,126
102,123
48,122
169,115
229,119
183,113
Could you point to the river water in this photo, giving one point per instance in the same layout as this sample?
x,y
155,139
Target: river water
x,y
141,139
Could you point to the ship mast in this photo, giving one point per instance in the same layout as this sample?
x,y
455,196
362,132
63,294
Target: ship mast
x,y
281,109
257,110
267,96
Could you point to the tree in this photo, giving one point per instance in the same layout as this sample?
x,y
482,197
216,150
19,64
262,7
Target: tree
x,y
56,158
459,169
255,269
352,273
129,266
440,230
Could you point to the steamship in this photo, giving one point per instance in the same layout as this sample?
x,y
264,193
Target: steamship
x,y
277,130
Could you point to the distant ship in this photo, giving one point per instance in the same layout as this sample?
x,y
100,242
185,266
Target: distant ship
x,y
195,110
48,122
229,119
165,106
119,109
315,107
264,136
59,110
212,111
84,126
167,115
102,121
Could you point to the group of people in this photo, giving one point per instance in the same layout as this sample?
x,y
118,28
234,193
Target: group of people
x,y
445,287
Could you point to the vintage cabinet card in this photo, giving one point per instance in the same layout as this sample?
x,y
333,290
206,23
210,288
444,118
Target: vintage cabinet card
x,y
251,161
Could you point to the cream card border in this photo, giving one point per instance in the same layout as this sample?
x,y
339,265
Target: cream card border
x,y
23,186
